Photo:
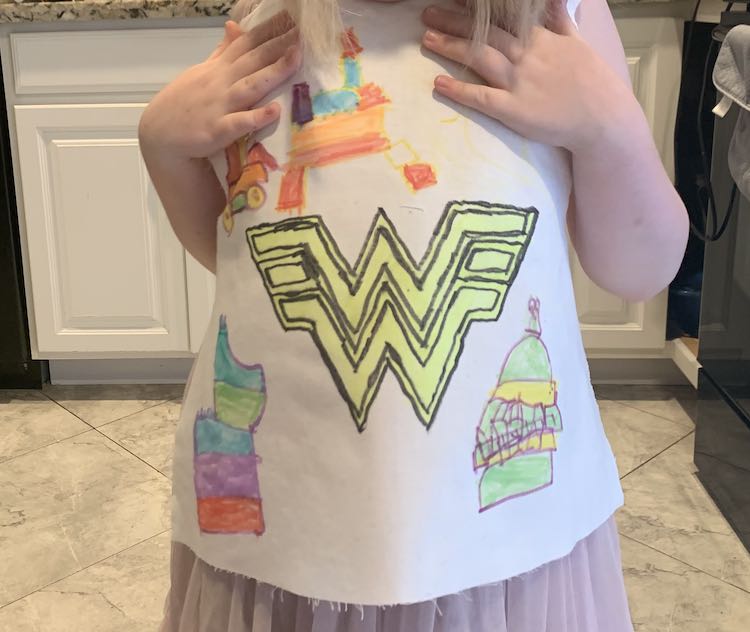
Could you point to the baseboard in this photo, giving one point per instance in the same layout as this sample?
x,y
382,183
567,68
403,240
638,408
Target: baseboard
x,y
175,371
124,371
685,359
661,371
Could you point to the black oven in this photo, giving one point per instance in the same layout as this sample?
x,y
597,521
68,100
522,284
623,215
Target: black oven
x,y
722,440
17,369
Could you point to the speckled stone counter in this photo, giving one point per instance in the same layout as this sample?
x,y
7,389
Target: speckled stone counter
x,y
67,10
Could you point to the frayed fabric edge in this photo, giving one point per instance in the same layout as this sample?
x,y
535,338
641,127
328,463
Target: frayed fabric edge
x,y
315,603
341,606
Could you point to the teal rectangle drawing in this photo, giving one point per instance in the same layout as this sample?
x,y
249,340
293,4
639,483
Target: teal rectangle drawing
x,y
213,436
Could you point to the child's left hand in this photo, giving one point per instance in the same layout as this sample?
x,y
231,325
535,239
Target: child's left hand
x,y
555,89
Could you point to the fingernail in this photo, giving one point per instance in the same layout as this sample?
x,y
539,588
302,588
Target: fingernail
x,y
270,110
431,36
441,81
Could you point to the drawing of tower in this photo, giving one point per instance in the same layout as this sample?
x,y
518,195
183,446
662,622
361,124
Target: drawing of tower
x,y
516,437
226,465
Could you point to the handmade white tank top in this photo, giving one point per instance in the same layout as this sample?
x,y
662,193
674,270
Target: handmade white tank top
x,y
392,402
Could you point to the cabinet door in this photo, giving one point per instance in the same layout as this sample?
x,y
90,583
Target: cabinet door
x,y
609,323
107,273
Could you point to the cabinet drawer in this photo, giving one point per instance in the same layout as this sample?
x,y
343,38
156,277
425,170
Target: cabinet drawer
x,y
106,62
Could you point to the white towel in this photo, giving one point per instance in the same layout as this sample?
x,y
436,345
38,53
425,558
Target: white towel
x,y
732,79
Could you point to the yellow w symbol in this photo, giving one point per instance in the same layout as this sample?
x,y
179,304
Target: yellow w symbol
x,y
388,310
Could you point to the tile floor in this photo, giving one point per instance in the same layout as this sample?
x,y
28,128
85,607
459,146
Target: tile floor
x,y
84,521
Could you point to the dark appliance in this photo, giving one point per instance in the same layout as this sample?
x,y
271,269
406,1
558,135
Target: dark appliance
x,y
17,369
694,112
722,439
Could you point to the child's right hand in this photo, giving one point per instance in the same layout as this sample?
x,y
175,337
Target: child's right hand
x,y
212,104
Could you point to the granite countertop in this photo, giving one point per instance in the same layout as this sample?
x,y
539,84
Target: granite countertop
x,y
67,10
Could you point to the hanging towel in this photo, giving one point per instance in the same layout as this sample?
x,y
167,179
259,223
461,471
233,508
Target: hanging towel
x,y
732,80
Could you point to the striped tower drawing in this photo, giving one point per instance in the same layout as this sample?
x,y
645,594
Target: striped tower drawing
x,y
226,465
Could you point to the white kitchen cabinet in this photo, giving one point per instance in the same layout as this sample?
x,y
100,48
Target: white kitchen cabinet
x,y
106,276
611,325
107,273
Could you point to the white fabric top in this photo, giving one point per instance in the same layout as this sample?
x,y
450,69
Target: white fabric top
x,y
393,401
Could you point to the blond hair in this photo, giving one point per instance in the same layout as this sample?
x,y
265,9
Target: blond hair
x,y
320,20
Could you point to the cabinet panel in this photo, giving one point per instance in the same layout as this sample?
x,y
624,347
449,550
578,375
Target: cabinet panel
x,y
101,62
612,324
653,47
108,275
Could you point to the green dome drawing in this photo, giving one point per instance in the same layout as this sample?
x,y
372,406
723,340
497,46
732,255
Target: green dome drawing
x,y
516,435
529,359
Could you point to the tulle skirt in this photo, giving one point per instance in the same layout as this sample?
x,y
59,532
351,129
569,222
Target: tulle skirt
x,y
582,592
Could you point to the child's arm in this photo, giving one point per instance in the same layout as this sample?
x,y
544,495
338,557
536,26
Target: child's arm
x,y
645,213
571,89
203,111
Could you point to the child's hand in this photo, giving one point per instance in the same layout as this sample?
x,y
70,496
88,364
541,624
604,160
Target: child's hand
x,y
555,89
212,104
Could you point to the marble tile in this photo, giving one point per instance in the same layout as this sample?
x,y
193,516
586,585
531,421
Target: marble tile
x,y
98,405
148,434
71,504
124,593
676,403
636,436
29,420
667,508
669,596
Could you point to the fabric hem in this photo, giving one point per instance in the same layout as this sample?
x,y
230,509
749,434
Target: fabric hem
x,y
345,605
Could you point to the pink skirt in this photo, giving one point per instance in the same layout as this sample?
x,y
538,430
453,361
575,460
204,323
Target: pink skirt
x,y
583,592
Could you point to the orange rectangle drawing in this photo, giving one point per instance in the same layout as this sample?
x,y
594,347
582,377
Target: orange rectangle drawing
x,y
230,515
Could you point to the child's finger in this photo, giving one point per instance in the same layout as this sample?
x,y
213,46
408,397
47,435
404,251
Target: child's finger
x,y
279,24
559,20
488,62
250,89
450,22
493,102
239,124
264,55
231,32
461,25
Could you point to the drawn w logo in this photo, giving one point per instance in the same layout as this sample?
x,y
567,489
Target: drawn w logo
x,y
388,310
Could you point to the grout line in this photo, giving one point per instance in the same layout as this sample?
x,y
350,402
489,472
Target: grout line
x,y
42,447
138,412
67,410
119,445
671,445
625,403
153,405
681,561
75,572
89,429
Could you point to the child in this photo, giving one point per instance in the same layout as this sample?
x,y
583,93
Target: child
x,y
391,426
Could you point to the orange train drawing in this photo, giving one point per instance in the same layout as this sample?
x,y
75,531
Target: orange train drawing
x,y
247,172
